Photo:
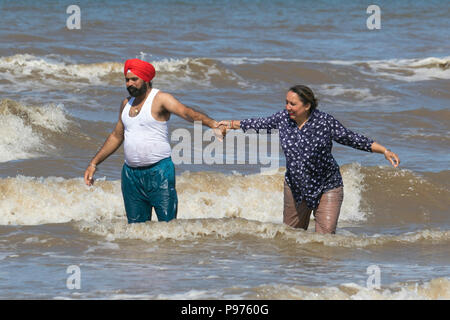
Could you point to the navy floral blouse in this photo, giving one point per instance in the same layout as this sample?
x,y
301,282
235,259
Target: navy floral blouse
x,y
310,167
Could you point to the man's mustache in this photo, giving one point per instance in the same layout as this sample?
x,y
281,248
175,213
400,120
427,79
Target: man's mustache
x,y
132,90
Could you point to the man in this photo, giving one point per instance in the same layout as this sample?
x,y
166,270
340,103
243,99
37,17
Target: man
x,y
148,175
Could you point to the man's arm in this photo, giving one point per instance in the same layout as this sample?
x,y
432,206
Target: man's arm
x,y
172,105
112,143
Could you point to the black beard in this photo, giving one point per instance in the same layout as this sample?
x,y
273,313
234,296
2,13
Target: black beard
x,y
134,92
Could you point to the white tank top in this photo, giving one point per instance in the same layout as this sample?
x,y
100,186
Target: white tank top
x,y
146,139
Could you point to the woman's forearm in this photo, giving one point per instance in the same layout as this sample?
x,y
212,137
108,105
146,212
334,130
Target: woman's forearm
x,y
378,148
235,124
388,154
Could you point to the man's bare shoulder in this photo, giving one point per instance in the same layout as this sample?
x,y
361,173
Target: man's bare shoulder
x,y
164,101
163,96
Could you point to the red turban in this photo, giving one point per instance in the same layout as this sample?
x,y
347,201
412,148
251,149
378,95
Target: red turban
x,y
142,69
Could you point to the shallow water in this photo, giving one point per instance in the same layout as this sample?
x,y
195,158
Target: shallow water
x,y
60,92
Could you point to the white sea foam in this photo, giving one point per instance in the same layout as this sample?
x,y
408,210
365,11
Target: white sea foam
x,y
27,68
226,228
202,72
409,70
41,72
33,201
210,205
24,66
435,289
351,210
259,197
21,128
17,140
412,70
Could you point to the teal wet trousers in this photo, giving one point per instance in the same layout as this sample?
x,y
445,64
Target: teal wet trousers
x,y
145,188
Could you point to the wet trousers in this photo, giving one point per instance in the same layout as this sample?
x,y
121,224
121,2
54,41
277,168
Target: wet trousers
x,y
326,215
145,188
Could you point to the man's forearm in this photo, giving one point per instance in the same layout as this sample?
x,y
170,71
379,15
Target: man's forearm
x,y
111,144
193,115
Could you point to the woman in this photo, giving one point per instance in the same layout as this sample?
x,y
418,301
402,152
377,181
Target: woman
x,y
313,182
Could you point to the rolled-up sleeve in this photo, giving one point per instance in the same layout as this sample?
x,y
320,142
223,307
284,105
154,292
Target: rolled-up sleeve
x,y
258,124
347,137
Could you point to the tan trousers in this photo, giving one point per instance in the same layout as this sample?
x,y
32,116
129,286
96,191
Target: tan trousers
x,y
326,215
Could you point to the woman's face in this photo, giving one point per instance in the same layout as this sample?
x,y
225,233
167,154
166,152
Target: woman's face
x,y
295,107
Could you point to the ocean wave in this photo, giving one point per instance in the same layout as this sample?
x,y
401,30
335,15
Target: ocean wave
x,y
399,197
228,228
199,71
412,70
436,289
255,197
42,72
52,70
34,201
409,70
361,95
373,195
22,128
244,205
31,201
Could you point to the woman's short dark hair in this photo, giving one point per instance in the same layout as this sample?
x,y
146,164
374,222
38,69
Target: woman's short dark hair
x,y
306,95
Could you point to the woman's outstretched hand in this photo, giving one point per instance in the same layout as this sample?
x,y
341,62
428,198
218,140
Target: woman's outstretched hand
x,y
388,154
392,158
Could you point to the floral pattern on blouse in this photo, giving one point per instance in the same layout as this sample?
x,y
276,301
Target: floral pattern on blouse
x,y
310,167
